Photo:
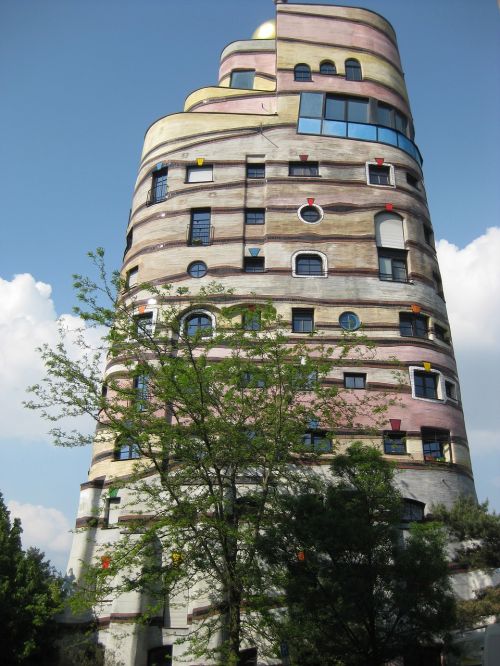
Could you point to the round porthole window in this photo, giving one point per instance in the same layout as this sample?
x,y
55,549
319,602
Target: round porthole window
x,y
310,213
349,321
197,269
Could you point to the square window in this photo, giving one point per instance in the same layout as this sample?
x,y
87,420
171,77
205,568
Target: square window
x,y
379,175
434,442
256,170
392,265
303,169
199,174
354,380
302,320
253,264
251,321
440,333
411,325
425,384
395,443
243,79
317,441
255,216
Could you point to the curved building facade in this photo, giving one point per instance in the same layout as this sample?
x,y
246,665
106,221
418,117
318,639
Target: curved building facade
x,y
297,180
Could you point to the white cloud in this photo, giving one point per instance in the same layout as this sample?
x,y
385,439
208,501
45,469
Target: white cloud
x,y
471,279
43,527
27,320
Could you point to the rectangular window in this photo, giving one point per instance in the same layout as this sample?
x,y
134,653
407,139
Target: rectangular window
x,y
252,380
199,174
425,384
434,442
428,235
451,390
141,389
438,284
256,170
255,216
395,443
160,656
353,109
132,277
411,325
354,380
159,186
243,79
411,180
379,175
251,321
130,238
253,264
303,169
302,320
199,229
144,324
440,333
311,105
317,441
392,265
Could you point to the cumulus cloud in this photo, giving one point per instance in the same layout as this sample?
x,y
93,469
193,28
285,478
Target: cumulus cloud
x,y
471,279
43,527
27,320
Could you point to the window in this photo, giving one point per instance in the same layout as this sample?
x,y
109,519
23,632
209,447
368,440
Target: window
x,y
198,324
392,265
144,324
349,321
354,380
379,175
129,241
440,333
132,277
428,235
111,511
199,229
450,390
256,170
127,449
303,169
394,443
354,109
253,264
160,656
309,264
159,188
242,78
197,269
438,285
434,442
411,180
352,70
413,512
391,117
389,231
412,325
141,388
327,67
302,72
310,214
248,657
255,216
317,441
302,320
251,321
425,384
252,380
199,174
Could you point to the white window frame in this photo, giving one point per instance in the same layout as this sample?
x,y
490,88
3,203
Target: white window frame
x,y
324,262
207,169
196,311
440,387
306,205
392,177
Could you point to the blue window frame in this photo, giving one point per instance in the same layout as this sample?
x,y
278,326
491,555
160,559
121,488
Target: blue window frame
x,y
197,269
302,320
159,186
198,324
349,321
199,229
302,72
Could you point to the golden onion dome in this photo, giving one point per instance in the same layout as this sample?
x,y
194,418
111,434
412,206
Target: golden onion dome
x,y
266,30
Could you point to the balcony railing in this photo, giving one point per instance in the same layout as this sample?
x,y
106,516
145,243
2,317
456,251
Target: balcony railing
x,y
199,236
156,194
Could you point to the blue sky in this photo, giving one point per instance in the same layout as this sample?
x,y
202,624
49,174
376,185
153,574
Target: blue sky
x,y
81,82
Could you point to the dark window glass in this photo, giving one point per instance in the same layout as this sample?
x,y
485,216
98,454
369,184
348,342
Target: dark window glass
x,y
310,214
392,265
197,269
160,656
394,443
199,230
425,384
309,264
127,449
352,70
253,264
379,175
385,115
302,72
354,380
141,391
440,333
144,323
248,657
130,238
428,235
433,442
159,188
198,324
412,325
243,78
357,110
349,321
316,440
311,105
255,216
413,511
411,180
251,321
302,320
256,170
132,277
327,67
400,122
252,380
451,390
438,284
335,108
303,169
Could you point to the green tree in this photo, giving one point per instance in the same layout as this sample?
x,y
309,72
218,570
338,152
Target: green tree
x,y
219,419
359,589
30,597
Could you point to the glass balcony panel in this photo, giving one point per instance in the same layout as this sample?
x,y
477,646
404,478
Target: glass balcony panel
x,y
387,136
406,145
309,126
334,128
365,132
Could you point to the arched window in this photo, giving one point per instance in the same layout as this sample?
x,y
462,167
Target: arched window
x,y
302,72
352,70
309,264
198,323
327,67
